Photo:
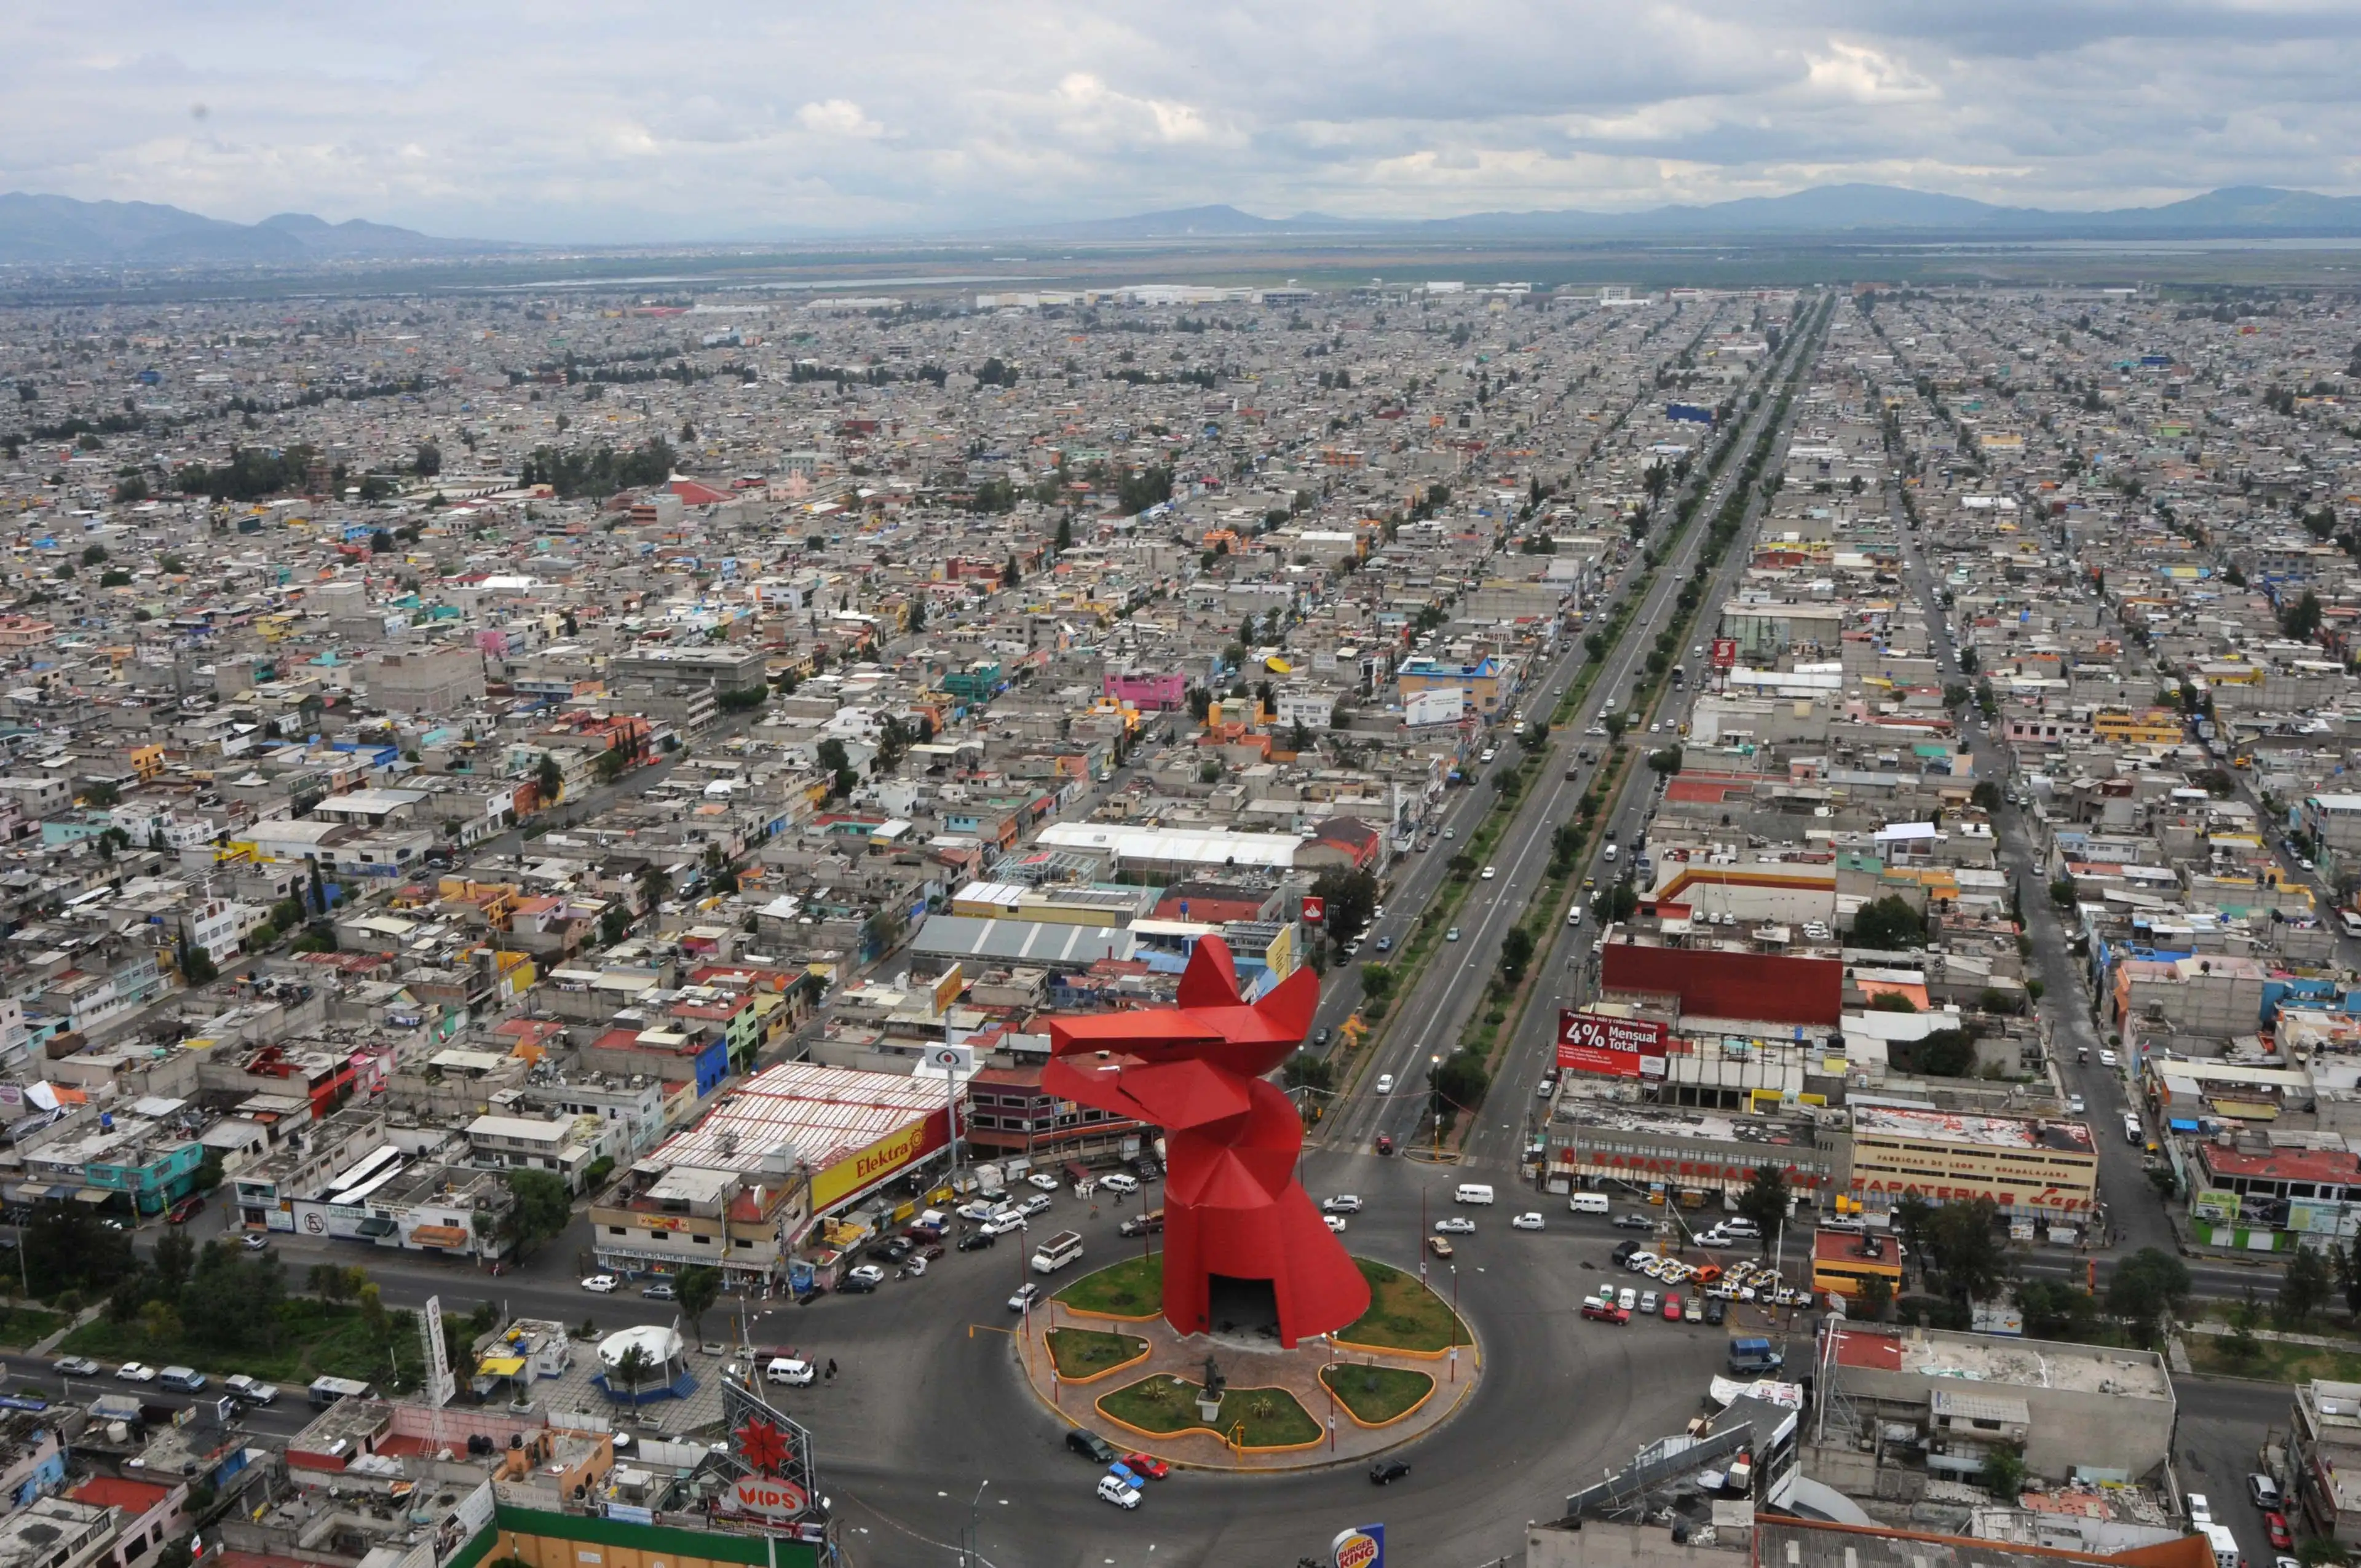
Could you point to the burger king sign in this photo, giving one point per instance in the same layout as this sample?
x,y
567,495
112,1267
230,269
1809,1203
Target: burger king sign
x,y
1362,1546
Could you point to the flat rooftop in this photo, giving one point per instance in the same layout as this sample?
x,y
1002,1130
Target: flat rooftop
x,y
2008,1363
1990,1132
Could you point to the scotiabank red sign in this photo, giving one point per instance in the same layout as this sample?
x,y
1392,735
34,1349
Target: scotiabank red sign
x,y
1611,1048
1725,652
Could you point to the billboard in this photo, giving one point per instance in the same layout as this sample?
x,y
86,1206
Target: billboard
x,y
1691,412
1725,652
1315,910
1609,1047
893,1152
1439,705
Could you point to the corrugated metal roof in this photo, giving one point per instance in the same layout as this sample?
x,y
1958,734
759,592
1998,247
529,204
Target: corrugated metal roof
x,y
1020,941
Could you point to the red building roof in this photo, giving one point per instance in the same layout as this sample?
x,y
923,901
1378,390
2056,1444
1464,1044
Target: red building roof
x,y
134,1497
2284,1165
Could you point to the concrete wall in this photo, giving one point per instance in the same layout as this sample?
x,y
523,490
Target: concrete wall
x,y
1610,1545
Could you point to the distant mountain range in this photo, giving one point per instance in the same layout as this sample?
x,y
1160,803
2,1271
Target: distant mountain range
x,y
2238,212
60,231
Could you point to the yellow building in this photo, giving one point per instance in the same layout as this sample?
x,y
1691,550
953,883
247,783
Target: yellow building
x,y
2027,1166
2122,727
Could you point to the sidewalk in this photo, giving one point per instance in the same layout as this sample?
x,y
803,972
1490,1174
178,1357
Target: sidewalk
x,y
1295,1371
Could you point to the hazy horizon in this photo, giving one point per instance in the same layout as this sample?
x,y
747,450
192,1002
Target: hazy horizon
x,y
605,125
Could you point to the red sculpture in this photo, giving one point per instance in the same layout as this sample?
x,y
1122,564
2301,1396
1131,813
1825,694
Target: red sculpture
x,y
1232,1211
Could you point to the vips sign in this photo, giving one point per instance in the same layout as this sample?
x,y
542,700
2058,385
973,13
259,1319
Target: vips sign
x,y
1362,1546
1613,1048
768,1497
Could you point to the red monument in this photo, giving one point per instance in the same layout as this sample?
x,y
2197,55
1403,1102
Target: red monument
x,y
1243,1245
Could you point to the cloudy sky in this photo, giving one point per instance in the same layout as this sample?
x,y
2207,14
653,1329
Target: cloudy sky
x,y
599,120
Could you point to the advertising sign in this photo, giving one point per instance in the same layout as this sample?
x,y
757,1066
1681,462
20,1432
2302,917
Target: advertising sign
x,y
1441,704
1362,1546
1315,910
1725,652
1611,1048
442,1383
878,1162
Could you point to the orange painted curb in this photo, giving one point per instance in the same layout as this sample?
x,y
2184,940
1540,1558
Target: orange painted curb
x,y
1375,1426
1105,1317
1194,1427
1145,1351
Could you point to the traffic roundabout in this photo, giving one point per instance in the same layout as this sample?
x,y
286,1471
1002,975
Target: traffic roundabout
x,y
1099,1353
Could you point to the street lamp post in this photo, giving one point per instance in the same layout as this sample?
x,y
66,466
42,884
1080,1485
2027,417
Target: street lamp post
x,y
1434,1099
969,1551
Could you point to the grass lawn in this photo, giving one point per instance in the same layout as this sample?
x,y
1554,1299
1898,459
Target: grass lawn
x,y
1375,1394
1133,1288
1403,1314
22,1326
1271,1416
2273,1362
1083,1352
313,1339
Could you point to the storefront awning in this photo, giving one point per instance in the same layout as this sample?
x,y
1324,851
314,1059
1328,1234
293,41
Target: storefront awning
x,y
93,1195
31,1192
499,1367
439,1235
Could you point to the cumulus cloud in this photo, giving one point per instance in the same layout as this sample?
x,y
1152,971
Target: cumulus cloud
x,y
624,123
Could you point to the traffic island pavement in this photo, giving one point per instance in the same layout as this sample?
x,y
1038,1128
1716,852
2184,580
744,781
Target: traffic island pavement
x,y
1244,1364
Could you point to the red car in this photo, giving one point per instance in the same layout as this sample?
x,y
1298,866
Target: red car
x,y
1671,1308
1605,1313
1385,1144
1147,1465
2276,1526
182,1212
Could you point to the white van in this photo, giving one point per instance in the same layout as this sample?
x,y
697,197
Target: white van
x,y
1588,1204
1472,1192
1609,855
1057,1252
1573,916
2132,1134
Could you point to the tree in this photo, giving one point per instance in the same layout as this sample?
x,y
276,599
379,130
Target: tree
x,y
1616,724
2144,1287
1516,953
1065,539
2062,893
1986,797
631,1370
429,461
698,1287
543,1207
2054,1310
1666,761
2301,621
549,779
1876,1296
172,1258
2306,1287
1965,1242
1351,896
1887,924
1765,1201
2004,1472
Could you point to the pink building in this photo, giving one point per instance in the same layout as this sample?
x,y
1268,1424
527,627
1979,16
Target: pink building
x,y
1149,693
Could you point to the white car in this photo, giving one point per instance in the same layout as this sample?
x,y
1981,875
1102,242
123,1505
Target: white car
x,y
1385,1083
1489,872
1113,1490
2106,1059
1044,1180
2074,1103
1002,1225
1452,935
868,1274
1116,1182
1027,1294
1334,1221
1629,1299
1455,1226
1037,1204
135,1372
787,1370
1528,1220
601,1284
1343,1203
1376,914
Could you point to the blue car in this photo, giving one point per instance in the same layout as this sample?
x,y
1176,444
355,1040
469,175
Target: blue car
x,y
1129,1477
